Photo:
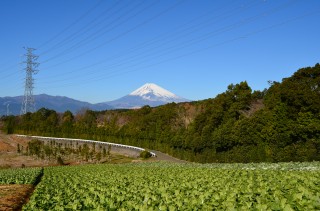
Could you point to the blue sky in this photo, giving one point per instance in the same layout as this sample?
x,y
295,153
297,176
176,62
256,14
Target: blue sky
x,y
98,50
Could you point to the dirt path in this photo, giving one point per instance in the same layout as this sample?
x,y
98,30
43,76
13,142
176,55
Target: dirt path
x,y
12,197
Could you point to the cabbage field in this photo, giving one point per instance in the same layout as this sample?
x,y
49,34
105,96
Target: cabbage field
x,y
168,186
20,176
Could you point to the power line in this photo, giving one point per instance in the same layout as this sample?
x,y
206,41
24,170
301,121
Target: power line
x,y
123,33
109,27
147,55
244,36
56,36
83,29
175,33
103,30
71,25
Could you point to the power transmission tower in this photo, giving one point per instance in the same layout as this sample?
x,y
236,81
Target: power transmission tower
x,y
28,104
8,112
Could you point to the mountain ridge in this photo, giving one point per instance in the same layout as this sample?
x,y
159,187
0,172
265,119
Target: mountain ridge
x,y
148,94
57,103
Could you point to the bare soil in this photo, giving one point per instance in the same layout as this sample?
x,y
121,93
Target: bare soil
x,y
13,197
9,156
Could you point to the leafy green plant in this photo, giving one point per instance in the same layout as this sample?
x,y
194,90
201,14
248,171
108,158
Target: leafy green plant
x,y
167,186
145,154
20,176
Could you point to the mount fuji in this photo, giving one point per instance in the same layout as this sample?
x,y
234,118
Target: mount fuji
x,y
149,94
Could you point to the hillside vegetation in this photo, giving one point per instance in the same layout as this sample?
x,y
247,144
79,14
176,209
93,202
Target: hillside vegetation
x,y
281,123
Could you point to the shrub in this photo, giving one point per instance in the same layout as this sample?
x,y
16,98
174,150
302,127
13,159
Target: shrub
x,y
60,161
145,154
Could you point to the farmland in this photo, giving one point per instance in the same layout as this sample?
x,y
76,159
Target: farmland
x,y
21,176
169,186
164,186
16,186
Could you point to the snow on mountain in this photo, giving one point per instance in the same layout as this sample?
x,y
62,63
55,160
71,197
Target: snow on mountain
x,y
153,92
149,94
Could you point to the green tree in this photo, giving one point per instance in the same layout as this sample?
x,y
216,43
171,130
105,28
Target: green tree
x,y
18,148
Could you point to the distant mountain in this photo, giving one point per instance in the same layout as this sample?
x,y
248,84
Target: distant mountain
x,y
57,103
12,103
149,94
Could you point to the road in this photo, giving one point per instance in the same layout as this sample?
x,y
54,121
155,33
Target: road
x,y
166,157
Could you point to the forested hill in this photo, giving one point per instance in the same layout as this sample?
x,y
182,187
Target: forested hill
x,y
281,123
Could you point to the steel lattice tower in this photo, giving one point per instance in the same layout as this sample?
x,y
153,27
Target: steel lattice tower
x,y
28,104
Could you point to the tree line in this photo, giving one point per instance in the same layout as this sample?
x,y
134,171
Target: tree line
x,y
281,123
57,151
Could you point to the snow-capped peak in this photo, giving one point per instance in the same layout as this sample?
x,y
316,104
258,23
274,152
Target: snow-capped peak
x,y
149,94
153,89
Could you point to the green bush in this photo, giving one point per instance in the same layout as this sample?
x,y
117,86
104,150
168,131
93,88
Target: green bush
x,y
145,154
60,161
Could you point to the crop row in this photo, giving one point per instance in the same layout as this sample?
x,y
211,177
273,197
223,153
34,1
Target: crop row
x,y
20,176
164,186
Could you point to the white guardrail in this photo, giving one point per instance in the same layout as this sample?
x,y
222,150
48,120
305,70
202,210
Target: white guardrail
x,y
89,141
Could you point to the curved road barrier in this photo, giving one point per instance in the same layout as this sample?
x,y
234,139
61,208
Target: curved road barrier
x,y
89,141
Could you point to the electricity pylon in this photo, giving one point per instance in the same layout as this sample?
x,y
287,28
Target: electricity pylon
x,y
8,112
28,104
